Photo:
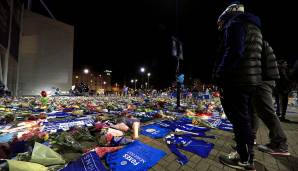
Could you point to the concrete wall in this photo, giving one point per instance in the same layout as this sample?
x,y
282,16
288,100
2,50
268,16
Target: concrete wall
x,y
46,55
12,74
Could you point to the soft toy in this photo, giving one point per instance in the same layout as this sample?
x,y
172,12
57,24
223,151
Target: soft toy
x,y
44,98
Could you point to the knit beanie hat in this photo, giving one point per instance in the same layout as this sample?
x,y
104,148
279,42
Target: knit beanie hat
x,y
229,11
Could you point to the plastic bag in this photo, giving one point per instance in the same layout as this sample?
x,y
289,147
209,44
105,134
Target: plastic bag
x,y
121,127
117,141
115,132
15,165
46,156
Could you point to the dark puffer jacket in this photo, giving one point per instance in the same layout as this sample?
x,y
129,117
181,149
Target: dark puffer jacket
x,y
269,64
240,63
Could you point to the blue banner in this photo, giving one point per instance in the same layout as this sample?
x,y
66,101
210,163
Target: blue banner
x,y
155,131
136,156
88,162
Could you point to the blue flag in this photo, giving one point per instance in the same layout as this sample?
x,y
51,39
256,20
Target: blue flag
x,y
174,47
155,131
136,156
177,48
187,143
180,51
88,162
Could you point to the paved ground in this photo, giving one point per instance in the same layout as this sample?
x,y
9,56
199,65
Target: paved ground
x,y
265,162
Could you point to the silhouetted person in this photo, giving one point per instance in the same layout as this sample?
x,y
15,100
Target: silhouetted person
x,y
283,88
238,74
264,108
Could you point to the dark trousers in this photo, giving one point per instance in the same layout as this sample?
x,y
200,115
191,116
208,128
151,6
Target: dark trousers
x,y
255,124
281,99
264,109
237,102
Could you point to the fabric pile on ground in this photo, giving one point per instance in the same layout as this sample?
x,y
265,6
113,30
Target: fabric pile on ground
x,y
100,133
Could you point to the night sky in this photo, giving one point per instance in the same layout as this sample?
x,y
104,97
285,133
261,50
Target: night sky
x,y
122,35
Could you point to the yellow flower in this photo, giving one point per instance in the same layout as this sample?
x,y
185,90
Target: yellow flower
x,y
46,137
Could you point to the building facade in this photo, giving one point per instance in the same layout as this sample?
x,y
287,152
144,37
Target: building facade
x,y
46,55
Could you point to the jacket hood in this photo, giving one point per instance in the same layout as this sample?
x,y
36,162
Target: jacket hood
x,y
248,17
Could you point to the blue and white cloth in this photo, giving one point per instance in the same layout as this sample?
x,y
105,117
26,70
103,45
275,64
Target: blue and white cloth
x,y
64,125
88,162
136,156
222,124
187,143
182,124
155,131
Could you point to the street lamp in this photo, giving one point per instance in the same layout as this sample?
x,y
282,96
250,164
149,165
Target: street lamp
x,y
116,89
142,71
104,85
86,71
100,81
149,74
136,83
133,81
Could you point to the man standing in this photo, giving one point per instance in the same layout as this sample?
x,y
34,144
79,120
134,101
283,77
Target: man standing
x,y
239,73
263,105
283,88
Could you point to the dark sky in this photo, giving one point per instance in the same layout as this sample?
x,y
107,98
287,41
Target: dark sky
x,y
124,35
